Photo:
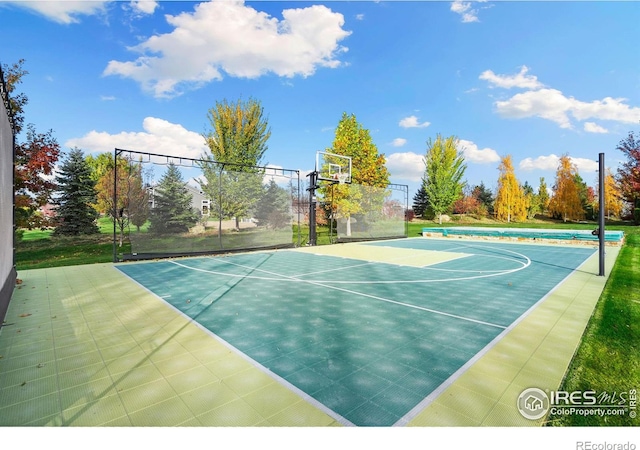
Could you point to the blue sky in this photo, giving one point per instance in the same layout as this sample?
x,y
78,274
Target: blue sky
x,y
533,80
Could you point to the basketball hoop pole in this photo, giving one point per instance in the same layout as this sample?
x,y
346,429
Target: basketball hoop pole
x,y
313,181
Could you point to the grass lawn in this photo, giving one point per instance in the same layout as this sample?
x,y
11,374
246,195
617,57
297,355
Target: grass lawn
x,y
607,361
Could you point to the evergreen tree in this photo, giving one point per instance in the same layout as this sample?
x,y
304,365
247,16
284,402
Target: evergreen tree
x,y
77,195
274,207
172,211
484,196
531,200
420,202
443,174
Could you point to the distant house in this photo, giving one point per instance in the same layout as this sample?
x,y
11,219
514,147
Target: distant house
x,y
199,201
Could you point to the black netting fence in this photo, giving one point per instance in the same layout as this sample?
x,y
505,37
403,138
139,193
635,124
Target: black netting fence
x,y
167,206
360,212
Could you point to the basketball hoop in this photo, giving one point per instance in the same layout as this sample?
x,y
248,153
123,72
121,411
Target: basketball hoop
x,y
341,178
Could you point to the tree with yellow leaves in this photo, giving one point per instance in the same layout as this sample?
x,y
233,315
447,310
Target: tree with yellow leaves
x,y
368,172
612,196
511,202
565,202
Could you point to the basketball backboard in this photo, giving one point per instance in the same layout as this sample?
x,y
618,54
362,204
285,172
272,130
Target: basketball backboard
x,y
333,167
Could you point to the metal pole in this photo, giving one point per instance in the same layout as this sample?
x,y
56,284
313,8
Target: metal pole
x,y
601,212
313,176
115,199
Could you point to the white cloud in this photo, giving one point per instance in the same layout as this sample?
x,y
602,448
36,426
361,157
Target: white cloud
x,y
591,127
480,156
551,104
107,98
65,12
550,163
406,166
159,136
359,16
144,6
229,37
465,11
398,142
412,122
519,80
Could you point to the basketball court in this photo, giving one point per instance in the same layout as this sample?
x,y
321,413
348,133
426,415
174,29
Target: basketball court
x,y
410,332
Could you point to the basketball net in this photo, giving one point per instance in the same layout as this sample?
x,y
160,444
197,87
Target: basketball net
x,y
341,178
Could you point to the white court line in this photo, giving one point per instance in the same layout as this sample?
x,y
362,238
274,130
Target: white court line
x,y
484,274
375,297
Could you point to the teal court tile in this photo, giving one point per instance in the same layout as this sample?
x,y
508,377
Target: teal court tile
x,y
420,333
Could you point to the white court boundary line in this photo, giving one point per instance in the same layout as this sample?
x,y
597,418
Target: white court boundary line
x,y
483,274
361,294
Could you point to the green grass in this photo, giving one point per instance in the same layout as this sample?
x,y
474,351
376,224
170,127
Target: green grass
x,y
608,359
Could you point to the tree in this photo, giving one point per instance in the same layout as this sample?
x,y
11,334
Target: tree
x,y
485,198
467,203
75,213
13,77
629,173
274,207
543,196
239,132
237,142
612,196
444,170
172,211
532,201
369,173
35,160
132,199
420,201
565,202
510,204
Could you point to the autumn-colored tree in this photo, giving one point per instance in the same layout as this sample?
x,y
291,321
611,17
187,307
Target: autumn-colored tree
x,y
132,200
34,159
34,184
565,202
629,174
237,142
613,202
369,173
511,202
444,169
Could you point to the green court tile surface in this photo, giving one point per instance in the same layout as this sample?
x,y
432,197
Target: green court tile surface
x,y
366,341
296,339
